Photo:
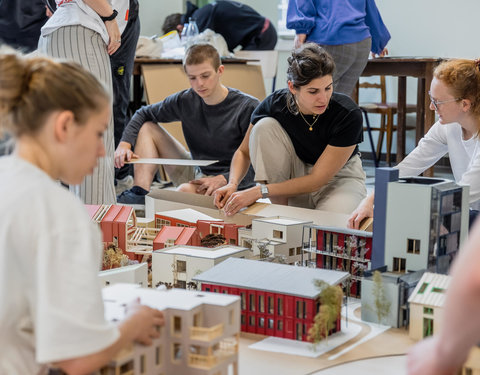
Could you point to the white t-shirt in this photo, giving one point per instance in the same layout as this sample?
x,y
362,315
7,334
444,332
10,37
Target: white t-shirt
x,y
464,157
51,306
76,12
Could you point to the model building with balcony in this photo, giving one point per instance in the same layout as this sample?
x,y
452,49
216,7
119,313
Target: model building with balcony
x,y
339,249
276,299
274,237
200,335
177,265
425,221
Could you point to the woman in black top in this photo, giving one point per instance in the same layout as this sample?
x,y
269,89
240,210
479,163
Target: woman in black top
x,y
302,143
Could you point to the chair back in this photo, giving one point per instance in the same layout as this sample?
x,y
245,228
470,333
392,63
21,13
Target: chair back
x,y
373,85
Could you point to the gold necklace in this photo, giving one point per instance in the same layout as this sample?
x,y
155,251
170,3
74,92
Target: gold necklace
x,y
310,126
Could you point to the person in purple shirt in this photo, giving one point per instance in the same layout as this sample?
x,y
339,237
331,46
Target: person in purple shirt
x,y
347,29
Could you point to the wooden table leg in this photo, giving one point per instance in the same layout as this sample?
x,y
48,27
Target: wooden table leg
x,y
401,124
420,120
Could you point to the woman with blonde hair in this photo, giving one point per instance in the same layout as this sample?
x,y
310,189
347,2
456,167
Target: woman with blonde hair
x,y
455,96
52,310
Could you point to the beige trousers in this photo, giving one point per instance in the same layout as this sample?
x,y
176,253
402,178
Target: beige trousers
x,y
274,160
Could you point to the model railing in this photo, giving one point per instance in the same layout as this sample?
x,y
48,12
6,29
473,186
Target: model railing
x,y
202,361
206,334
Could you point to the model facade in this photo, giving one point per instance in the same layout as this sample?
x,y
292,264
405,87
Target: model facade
x,y
177,265
397,288
426,220
276,299
186,217
132,274
426,305
116,223
339,249
275,237
200,335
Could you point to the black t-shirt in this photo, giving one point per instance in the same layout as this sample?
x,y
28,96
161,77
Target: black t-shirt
x,y
341,125
236,22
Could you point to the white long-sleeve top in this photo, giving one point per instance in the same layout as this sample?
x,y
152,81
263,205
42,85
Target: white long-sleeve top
x,y
464,157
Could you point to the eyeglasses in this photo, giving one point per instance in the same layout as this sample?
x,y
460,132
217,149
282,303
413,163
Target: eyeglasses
x,y
436,103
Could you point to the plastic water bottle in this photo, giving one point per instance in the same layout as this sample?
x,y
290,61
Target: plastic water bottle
x,y
192,31
183,35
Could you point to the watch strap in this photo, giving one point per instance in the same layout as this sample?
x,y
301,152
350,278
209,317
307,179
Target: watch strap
x,y
110,17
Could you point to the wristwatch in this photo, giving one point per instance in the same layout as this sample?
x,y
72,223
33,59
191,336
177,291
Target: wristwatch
x,y
264,190
111,17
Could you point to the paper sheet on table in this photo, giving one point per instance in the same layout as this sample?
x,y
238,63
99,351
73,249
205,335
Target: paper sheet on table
x,y
161,161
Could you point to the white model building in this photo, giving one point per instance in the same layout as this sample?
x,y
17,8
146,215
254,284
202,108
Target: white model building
x,y
133,274
200,336
275,237
177,265
426,305
426,222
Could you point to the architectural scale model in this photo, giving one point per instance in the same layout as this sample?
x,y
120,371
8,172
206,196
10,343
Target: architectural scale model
x,y
200,336
407,238
132,274
275,237
339,249
276,299
116,222
177,265
426,305
426,314
397,288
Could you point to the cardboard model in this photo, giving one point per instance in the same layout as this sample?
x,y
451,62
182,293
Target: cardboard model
x,y
200,335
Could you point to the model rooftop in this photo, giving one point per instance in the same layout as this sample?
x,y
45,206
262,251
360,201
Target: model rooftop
x,y
119,295
187,214
283,220
431,290
202,252
270,277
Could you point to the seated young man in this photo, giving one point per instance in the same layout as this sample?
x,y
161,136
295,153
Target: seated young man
x,y
214,121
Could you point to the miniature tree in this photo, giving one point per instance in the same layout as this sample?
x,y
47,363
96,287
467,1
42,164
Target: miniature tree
x,y
382,304
330,304
262,247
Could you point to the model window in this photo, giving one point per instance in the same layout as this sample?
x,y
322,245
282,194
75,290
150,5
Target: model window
x,y
326,241
279,325
230,317
261,322
334,240
177,325
428,311
243,301
399,264
177,351
427,327
270,323
182,225
299,250
160,223
252,321
142,364
233,241
291,251
413,246
126,368
271,308
438,290
277,234
182,284
242,319
422,288
299,331
279,306
261,304
251,303
300,309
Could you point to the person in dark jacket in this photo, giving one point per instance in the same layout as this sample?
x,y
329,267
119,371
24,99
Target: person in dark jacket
x,y
238,23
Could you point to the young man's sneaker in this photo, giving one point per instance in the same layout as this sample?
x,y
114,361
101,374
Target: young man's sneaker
x,y
133,196
123,184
